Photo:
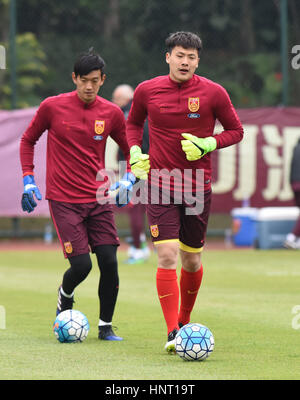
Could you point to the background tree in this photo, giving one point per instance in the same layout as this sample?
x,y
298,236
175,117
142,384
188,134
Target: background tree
x,y
241,42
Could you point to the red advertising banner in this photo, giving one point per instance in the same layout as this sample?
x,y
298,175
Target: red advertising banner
x,y
12,126
255,170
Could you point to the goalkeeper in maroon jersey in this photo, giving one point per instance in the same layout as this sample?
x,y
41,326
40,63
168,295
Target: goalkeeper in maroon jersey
x,y
78,125
182,109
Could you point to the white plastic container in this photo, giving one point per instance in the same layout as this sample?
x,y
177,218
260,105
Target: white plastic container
x,y
273,224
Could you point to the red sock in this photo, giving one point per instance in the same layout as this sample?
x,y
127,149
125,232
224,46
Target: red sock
x,y
168,294
189,286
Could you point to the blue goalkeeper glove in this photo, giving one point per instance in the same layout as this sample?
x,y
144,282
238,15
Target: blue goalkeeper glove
x,y
195,147
122,190
30,189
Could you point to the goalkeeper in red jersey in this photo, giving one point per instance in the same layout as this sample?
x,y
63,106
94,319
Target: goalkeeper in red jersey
x,y
78,125
182,109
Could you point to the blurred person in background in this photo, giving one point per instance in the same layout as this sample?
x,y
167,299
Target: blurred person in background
x,y
138,251
78,125
182,109
292,240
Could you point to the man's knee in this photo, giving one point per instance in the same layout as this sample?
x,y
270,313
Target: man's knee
x,y
191,262
81,265
167,255
106,255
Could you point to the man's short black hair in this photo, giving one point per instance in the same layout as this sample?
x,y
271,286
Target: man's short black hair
x,y
88,62
187,40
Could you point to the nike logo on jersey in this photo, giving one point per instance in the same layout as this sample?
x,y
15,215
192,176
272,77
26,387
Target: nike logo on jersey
x,y
70,123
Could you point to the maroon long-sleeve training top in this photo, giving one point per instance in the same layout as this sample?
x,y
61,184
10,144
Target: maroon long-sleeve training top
x,y
77,136
172,109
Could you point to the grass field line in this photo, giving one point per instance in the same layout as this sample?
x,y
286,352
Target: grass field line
x,y
247,307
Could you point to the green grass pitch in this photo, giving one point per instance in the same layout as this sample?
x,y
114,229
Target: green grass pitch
x,y
246,299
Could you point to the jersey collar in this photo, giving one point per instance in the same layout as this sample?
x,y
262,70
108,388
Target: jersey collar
x,y
185,84
83,103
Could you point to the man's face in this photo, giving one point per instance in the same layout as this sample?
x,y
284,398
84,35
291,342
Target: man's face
x,y
182,63
88,86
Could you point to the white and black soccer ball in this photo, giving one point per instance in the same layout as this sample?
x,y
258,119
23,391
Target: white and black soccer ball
x,y
71,326
194,342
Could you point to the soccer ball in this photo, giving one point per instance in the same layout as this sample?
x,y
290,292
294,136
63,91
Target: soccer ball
x,y
194,342
71,326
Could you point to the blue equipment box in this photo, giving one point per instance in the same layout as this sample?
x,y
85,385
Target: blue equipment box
x,y
244,231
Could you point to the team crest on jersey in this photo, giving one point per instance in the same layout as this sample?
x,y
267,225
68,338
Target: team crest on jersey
x,y
99,126
68,247
154,231
194,104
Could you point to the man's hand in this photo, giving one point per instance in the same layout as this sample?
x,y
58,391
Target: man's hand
x,y
30,189
195,147
140,164
122,190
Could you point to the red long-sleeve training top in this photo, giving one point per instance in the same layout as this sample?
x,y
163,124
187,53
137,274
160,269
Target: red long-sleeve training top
x,y
77,135
173,108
